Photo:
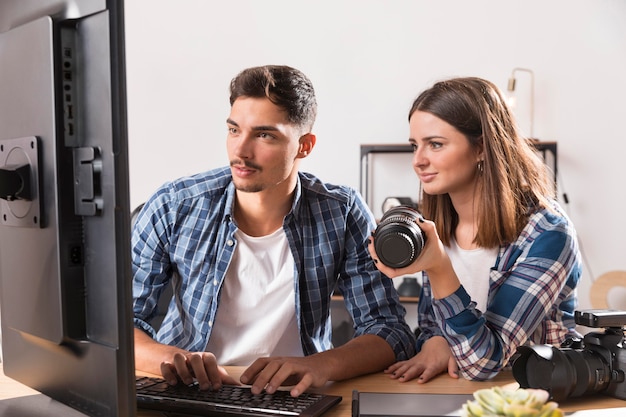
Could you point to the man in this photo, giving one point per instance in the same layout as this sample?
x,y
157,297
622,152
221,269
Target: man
x,y
255,251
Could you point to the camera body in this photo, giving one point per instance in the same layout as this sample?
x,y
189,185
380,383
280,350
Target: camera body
x,y
398,240
594,364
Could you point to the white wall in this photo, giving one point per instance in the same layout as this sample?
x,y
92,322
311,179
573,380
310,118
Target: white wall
x,y
368,59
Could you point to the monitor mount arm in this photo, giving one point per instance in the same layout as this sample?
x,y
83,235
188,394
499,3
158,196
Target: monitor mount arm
x,y
15,183
20,192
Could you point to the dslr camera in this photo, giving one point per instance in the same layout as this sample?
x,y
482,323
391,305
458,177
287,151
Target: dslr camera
x,y
594,364
398,240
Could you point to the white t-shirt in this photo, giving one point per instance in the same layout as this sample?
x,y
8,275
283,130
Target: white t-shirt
x,y
256,316
472,267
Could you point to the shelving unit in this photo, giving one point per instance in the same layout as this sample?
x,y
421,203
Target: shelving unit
x,y
548,151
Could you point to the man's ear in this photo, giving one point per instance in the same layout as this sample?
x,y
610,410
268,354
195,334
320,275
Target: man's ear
x,y
307,143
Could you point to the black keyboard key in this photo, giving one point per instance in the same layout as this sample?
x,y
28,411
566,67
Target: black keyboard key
x,y
155,393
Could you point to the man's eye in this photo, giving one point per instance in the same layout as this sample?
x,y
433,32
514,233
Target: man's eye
x,y
232,130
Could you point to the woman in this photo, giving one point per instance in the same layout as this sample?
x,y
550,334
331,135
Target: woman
x,y
501,260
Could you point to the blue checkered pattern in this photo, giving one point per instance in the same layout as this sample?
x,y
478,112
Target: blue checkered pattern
x,y
531,299
185,233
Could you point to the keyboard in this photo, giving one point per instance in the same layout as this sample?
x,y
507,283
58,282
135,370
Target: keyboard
x,y
230,400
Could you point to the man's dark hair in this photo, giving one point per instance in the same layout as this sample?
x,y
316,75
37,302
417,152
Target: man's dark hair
x,y
284,86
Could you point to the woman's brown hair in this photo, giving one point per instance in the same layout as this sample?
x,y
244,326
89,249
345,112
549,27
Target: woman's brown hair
x,y
513,179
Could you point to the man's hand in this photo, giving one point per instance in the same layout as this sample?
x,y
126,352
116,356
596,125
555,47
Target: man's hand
x,y
362,355
270,373
178,364
434,359
200,366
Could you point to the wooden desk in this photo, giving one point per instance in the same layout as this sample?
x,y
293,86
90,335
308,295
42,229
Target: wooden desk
x,y
11,390
380,382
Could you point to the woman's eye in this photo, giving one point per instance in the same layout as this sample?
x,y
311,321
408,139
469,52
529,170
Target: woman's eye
x,y
413,147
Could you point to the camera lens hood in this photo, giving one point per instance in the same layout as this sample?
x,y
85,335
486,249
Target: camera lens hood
x,y
564,373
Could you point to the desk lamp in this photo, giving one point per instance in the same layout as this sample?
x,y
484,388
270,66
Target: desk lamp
x,y
511,89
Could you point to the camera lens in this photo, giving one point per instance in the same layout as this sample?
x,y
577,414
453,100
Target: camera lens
x,y
398,239
563,373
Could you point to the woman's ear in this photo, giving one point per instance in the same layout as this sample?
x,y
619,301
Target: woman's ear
x,y
307,143
480,150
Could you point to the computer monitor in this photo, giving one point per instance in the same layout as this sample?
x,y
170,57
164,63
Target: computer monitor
x,y
65,281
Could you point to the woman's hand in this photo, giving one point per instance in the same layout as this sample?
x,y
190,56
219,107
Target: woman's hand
x,y
430,256
434,359
433,260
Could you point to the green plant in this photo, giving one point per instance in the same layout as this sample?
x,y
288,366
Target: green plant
x,y
497,401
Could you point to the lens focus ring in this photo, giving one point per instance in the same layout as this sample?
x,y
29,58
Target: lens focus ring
x,y
398,240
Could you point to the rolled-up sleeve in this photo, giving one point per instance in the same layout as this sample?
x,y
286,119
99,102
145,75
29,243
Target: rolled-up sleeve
x,y
531,298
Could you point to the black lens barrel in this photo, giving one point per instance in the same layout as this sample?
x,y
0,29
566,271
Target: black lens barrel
x,y
564,373
398,240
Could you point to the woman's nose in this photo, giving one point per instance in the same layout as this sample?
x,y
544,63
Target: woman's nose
x,y
419,159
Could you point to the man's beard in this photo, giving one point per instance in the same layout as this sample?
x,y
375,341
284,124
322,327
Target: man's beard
x,y
250,188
